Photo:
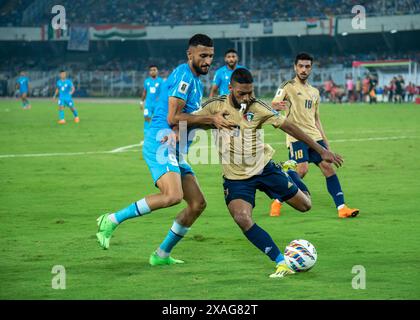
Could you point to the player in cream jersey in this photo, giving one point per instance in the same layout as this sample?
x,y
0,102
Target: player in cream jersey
x,y
247,161
300,101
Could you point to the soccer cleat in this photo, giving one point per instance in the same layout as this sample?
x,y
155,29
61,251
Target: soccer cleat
x,y
347,212
289,165
76,120
105,229
155,260
275,208
282,270
62,121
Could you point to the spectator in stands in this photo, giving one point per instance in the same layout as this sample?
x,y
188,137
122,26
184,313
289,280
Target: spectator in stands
x,y
399,89
411,91
365,88
350,88
328,85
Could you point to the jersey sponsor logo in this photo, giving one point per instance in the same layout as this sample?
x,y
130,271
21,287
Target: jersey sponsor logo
x,y
183,87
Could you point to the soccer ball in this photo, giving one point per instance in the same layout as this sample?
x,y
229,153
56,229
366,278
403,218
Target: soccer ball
x,y
300,255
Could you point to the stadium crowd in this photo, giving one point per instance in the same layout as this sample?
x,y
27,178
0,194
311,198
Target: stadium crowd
x,y
169,12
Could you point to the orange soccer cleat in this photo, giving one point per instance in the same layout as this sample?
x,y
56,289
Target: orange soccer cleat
x,y
76,120
62,121
275,208
346,212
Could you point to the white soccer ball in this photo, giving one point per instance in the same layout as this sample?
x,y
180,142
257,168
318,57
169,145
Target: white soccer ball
x,y
300,255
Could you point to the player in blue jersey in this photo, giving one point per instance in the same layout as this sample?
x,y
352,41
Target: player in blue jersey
x,y
180,95
22,84
65,90
150,95
222,76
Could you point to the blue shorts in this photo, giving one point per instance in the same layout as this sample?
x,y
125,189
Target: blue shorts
x,y
65,102
22,92
300,152
161,158
272,181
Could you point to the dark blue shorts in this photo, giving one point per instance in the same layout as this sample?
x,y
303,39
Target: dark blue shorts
x,y
300,152
272,181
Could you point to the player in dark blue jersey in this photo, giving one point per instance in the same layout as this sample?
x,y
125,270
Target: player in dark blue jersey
x,y
180,95
222,76
150,96
22,84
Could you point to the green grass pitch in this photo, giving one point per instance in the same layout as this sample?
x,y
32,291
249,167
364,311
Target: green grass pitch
x,y
56,180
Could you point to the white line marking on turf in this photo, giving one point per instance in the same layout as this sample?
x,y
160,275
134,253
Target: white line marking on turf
x,y
128,148
122,149
64,154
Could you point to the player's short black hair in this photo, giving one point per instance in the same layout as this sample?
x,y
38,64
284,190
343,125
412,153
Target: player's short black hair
x,y
62,70
200,39
304,56
231,51
153,66
242,75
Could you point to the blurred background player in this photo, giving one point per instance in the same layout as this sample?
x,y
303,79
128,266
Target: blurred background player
x,y
244,175
64,90
180,96
222,76
150,95
301,102
22,84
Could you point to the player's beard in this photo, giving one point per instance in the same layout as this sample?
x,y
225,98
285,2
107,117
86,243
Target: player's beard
x,y
232,65
198,69
303,78
236,103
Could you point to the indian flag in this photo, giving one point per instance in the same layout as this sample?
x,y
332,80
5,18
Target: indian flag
x,y
118,31
311,23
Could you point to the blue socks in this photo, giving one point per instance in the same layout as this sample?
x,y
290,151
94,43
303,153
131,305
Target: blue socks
x,y
135,209
334,188
297,180
262,240
74,112
61,114
175,234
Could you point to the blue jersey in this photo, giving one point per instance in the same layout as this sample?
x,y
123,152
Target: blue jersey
x,y
222,79
183,84
64,89
152,87
23,82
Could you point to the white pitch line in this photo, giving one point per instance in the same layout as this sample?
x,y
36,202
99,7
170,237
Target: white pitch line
x,y
66,154
128,148
122,149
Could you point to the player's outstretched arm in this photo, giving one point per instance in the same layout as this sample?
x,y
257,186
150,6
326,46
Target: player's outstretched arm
x,y
297,133
175,115
55,93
